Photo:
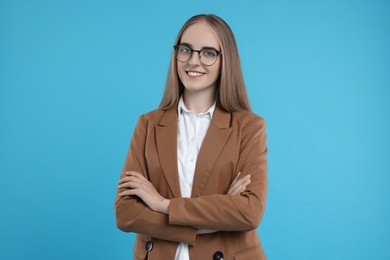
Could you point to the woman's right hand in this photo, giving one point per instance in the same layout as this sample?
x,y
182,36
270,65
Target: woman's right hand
x,y
239,184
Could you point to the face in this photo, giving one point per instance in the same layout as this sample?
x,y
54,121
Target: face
x,y
194,75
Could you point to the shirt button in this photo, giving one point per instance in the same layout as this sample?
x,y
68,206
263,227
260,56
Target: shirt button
x,y
192,139
191,159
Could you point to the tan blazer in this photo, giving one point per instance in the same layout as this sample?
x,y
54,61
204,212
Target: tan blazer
x,y
234,142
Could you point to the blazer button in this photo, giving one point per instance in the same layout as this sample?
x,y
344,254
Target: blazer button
x,y
149,246
218,255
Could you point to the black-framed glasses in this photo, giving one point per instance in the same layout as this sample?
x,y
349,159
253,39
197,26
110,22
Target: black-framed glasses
x,y
208,56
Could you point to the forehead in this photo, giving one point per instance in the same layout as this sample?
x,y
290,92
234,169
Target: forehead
x,y
200,35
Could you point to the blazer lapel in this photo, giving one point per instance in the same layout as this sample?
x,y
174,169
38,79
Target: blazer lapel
x,y
213,143
166,136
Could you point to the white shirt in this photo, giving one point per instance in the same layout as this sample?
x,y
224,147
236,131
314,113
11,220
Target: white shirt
x,y
192,129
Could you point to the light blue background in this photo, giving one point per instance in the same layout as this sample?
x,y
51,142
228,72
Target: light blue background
x,y
75,76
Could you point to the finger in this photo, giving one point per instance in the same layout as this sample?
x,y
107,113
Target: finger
x,y
239,188
129,178
244,184
243,179
127,185
124,179
237,176
129,192
233,187
129,172
138,183
133,183
246,177
136,191
133,173
239,182
234,190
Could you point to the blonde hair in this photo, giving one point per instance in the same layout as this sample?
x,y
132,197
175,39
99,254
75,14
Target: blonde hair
x,y
230,91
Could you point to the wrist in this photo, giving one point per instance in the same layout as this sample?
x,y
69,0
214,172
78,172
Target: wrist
x,y
165,206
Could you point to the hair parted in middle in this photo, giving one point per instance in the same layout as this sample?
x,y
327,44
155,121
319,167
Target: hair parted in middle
x,y
230,90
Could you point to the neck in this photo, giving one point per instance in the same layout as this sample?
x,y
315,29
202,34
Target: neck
x,y
199,102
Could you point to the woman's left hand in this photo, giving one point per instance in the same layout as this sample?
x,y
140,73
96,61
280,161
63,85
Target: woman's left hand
x,y
136,184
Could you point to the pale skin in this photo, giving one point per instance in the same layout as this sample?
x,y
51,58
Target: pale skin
x,y
198,97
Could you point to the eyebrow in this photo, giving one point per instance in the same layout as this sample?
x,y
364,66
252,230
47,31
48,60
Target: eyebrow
x,y
203,47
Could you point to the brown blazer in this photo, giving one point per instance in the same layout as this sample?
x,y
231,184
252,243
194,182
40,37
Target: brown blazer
x,y
235,141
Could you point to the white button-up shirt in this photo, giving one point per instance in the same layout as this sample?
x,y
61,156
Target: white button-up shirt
x,y
192,129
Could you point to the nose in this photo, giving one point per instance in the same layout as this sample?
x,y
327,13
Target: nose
x,y
195,58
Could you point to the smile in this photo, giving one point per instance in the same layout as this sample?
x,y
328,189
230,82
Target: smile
x,y
195,74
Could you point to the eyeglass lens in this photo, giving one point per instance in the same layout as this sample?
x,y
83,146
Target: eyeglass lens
x,y
207,56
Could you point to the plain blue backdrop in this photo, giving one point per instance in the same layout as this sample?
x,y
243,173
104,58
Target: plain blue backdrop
x,y
75,76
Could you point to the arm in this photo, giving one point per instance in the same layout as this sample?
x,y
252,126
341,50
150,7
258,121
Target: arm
x,y
132,215
137,185
231,212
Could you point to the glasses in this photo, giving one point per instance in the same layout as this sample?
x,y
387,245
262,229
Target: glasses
x,y
208,56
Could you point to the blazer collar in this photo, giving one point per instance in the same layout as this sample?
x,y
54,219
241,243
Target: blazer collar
x,y
221,118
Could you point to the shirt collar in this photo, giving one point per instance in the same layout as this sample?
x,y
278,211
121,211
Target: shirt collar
x,y
182,107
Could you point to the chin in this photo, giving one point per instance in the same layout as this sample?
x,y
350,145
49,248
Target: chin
x,y
195,88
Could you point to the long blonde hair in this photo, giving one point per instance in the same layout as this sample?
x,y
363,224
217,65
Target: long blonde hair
x,y
230,91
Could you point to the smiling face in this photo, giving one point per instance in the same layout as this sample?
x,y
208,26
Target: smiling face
x,y
195,76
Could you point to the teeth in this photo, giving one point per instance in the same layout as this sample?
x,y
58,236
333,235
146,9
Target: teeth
x,y
194,74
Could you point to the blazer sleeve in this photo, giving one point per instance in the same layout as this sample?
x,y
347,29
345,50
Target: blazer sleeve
x,y
232,212
132,215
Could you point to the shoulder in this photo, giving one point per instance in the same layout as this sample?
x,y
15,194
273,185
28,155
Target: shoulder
x,y
252,129
248,120
153,117
153,114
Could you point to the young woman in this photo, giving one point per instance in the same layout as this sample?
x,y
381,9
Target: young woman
x,y
194,182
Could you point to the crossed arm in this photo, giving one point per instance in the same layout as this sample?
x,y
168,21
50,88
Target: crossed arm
x,y
146,212
134,183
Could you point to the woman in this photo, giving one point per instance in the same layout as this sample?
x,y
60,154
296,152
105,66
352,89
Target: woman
x,y
194,182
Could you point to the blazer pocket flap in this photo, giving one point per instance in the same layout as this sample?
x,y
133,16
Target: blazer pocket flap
x,y
254,253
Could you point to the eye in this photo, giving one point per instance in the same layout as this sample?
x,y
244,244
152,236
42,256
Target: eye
x,y
209,53
184,49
